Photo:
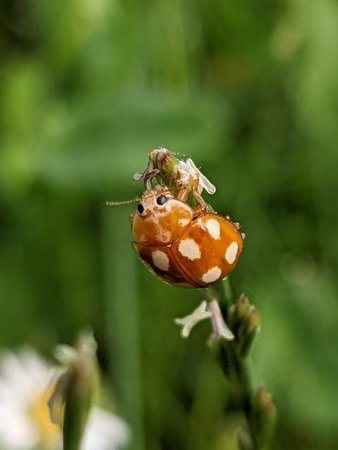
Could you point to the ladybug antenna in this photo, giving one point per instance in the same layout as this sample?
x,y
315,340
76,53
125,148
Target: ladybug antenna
x,y
125,202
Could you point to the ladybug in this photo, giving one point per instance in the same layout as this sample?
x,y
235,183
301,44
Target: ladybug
x,y
184,245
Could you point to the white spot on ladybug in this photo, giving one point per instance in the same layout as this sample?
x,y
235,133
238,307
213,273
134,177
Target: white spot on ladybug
x,y
162,235
190,249
211,275
160,260
183,222
213,228
231,252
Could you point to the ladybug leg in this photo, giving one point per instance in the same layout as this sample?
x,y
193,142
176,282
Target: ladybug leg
x,y
197,196
197,211
183,194
202,206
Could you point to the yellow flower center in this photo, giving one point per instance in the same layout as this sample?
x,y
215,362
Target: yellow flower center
x,y
39,412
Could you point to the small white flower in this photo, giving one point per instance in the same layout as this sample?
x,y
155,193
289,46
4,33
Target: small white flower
x,y
188,173
26,383
184,173
220,328
204,311
188,322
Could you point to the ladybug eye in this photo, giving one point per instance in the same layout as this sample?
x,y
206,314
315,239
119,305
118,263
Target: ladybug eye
x,y
161,200
140,208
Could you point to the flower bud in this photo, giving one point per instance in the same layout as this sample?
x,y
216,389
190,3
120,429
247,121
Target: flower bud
x,y
263,417
244,321
75,388
176,174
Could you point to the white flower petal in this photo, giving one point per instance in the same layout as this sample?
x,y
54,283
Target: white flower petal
x,y
220,327
23,379
203,183
105,431
24,375
16,430
34,365
188,322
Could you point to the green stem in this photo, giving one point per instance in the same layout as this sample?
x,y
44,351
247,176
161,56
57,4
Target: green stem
x,y
122,321
257,407
75,418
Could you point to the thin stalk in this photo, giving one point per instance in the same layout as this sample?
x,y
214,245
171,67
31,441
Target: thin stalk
x,y
122,320
257,407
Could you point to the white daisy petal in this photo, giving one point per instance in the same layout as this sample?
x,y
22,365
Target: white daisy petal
x,y
25,383
105,432
22,436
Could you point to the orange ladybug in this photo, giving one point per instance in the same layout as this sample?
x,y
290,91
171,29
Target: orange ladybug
x,y
183,245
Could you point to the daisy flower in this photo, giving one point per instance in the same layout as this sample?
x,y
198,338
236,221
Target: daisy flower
x,y
26,384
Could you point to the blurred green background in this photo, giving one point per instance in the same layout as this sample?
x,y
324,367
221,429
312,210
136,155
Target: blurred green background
x,y
249,90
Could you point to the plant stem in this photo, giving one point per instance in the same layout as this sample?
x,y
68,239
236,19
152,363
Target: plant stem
x,y
257,407
122,321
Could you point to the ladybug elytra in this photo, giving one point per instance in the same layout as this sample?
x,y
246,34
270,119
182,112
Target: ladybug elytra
x,y
184,245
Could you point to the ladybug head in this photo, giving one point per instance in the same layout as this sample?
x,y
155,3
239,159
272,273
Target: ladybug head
x,y
153,201
160,218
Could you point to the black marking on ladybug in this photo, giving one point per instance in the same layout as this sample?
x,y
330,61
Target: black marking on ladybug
x,y
161,200
140,208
